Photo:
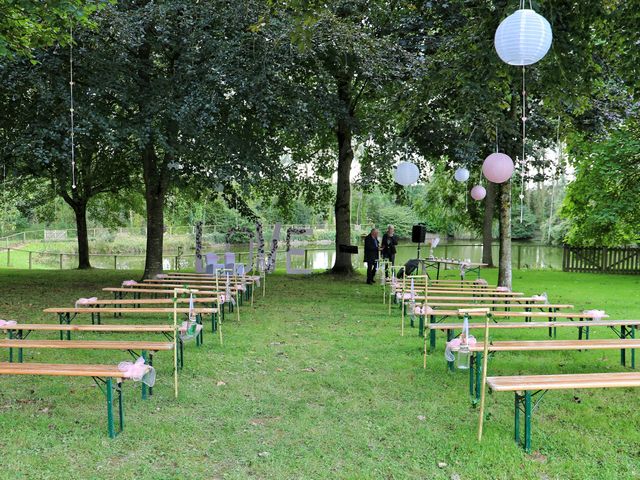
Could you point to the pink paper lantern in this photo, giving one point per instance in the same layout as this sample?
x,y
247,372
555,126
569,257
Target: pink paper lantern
x,y
498,168
478,192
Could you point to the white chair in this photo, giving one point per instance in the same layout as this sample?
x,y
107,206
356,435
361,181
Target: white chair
x,y
212,264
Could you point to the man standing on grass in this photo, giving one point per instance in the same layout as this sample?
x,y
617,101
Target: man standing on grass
x,y
371,252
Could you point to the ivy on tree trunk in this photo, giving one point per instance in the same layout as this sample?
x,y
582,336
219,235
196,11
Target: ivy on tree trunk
x,y
487,225
343,189
504,272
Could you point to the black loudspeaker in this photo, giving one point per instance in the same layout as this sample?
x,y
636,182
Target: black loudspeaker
x,y
418,233
352,249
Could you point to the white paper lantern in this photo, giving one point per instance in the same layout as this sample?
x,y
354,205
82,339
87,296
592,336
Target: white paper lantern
x,y
523,38
461,175
406,173
497,167
478,192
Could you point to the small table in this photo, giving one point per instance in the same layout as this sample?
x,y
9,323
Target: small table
x,y
437,262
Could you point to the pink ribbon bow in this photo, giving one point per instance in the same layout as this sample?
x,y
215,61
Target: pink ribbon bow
x,y
481,281
503,289
160,276
455,345
424,310
7,323
184,329
463,339
85,301
542,297
129,283
138,371
597,314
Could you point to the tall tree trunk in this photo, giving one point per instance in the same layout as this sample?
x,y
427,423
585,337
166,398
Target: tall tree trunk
x,y
78,204
504,272
155,190
80,210
343,264
487,225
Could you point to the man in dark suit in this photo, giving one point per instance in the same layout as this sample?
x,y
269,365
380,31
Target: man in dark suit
x,y
371,251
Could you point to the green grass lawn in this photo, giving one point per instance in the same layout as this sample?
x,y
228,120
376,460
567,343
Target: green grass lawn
x,y
318,383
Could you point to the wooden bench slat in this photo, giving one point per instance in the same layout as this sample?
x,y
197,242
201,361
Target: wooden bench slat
x,y
88,344
90,328
60,370
450,292
500,305
564,381
507,325
450,298
154,290
128,310
148,301
523,314
547,345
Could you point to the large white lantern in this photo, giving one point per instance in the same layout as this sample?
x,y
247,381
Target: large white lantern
x,y
406,173
498,167
461,175
523,38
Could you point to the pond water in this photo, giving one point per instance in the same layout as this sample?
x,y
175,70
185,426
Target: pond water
x,y
316,257
525,255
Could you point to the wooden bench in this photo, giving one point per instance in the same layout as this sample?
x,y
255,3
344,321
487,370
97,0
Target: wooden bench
x,y
241,289
405,296
119,293
214,301
103,375
67,314
527,307
626,328
438,316
528,387
252,280
22,331
146,349
622,344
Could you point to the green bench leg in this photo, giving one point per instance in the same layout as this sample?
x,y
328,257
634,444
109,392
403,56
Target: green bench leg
x,y
527,421
450,334
432,335
471,377
61,321
623,352
145,355
516,419
633,350
109,388
421,325
478,375
524,404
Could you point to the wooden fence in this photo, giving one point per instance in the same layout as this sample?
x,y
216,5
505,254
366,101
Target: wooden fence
x,y
601,260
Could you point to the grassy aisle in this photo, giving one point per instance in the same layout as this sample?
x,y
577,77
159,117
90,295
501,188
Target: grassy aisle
x,y
315,382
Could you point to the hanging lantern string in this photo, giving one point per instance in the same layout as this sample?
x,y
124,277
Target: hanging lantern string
x,y
553,179
73,146
524,139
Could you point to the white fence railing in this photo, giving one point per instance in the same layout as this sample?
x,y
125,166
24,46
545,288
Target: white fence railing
x,y
70,234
